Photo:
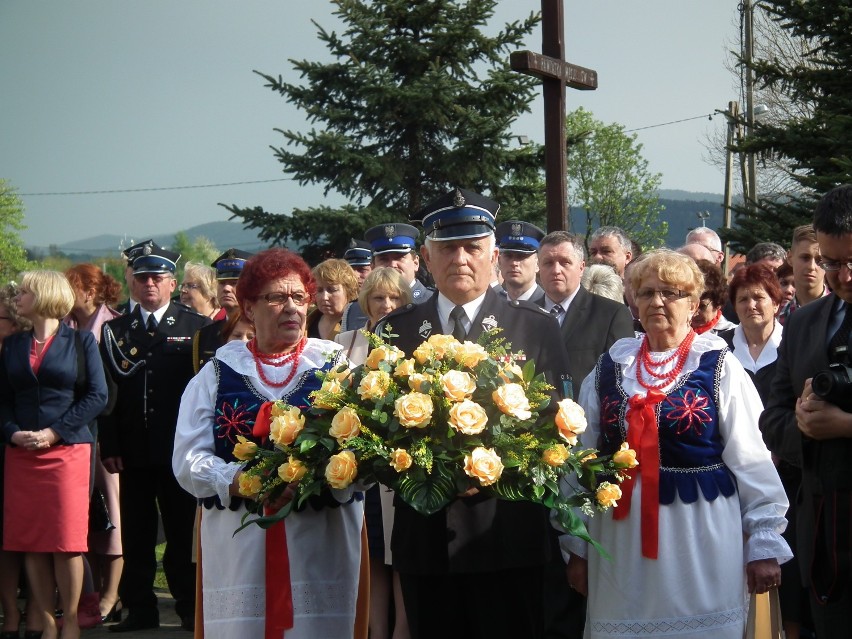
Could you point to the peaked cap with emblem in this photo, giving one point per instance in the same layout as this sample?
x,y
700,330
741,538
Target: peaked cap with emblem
x,y
132,252
359,253
392,238
457,215
155,259
230,264
518,236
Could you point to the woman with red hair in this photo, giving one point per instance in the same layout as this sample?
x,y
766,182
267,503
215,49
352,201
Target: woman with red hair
x,y
298,578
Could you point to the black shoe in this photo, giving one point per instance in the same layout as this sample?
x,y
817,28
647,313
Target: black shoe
x,y
187,622
138,620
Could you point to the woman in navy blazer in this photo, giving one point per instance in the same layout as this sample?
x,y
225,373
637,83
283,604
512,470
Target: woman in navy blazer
x,y
45,411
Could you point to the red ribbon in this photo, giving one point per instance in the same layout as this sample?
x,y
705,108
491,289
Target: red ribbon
x,y
279,591
643,437
263,420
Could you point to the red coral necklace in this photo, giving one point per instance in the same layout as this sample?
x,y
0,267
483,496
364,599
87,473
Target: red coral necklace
x,y
279,360
648,364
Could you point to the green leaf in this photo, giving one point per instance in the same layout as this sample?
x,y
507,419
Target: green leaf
x,y
427,496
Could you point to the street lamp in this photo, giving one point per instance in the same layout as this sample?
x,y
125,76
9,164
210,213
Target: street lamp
x,y
703,215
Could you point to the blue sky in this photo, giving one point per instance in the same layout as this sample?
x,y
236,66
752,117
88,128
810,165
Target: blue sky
x,y
104,95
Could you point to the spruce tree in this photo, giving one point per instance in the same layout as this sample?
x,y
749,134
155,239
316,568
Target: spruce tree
x,y
818,143
418,98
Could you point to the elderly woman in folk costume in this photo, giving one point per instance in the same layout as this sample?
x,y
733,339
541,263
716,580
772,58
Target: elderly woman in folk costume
x,y
701,518
300,577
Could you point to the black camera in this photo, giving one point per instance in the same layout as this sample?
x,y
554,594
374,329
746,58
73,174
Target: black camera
x,y
835,385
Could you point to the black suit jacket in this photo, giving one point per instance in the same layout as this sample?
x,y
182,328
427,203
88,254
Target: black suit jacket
x,y
823,505
591,325
147,375
46,400
477,534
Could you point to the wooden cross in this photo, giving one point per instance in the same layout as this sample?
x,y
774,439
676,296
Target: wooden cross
x,y
555,74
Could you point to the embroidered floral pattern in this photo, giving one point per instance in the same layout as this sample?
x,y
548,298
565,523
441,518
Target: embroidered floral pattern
x,y
687,409
234,419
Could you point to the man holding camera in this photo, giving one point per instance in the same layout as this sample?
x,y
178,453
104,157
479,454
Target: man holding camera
x,y
815,432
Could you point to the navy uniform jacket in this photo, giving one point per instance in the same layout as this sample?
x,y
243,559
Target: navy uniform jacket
x,y
825,495
147,376
206,342
477,534
591,325
46,400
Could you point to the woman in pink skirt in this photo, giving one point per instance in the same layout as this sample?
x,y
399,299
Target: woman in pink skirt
x,y
51,387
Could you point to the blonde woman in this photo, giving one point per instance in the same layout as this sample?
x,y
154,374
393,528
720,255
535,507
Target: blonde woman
x,y
198,290
337,285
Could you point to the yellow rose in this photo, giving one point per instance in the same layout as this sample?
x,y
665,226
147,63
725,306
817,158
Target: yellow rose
x,y
483,464
286,427
608,494
345,425
570,420
374,385
404,368
328,396
244,449
511,372
342,469
384,353
589,456
292,471
469,354
250,485
340,374
278,408
423,353
413,410
511,400
400,460
625,457
417,380
441,344
458,385
556,455
468,417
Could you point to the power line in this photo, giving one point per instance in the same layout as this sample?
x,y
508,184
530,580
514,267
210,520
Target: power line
x,y
709,116
155,188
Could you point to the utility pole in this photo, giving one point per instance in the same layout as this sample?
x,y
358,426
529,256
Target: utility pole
x,y
750,174
732,115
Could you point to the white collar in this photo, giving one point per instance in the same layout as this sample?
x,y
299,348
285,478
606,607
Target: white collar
x,y
445,307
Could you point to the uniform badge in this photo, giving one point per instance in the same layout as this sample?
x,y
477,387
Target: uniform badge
x,y
132,350
170,320
390,231
121,342
416,293
125,364
458,199
489,322
425,329
516,229
134,324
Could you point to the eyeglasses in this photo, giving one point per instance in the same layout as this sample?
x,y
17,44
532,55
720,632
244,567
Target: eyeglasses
x,y
143,278
279,299
832,266
668,295
186,286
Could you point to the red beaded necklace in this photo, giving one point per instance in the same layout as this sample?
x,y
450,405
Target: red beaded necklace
x,y
278,360
648,364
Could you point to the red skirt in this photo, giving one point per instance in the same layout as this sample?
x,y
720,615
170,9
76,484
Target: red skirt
x,y
46,499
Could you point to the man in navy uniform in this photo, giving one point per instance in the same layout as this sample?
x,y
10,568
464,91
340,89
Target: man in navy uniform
x,y
229,266
475,567
359,255
518,259
129,254
148,359
395,246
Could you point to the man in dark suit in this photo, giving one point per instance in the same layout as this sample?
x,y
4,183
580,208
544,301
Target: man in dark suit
x,y
209,338
590,324
518,260
806,431
148,357
474,568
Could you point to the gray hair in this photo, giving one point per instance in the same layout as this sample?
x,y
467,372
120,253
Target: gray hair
x,y
706,237
617,233
766,250
601,279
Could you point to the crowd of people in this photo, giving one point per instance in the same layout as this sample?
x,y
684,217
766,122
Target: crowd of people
x,y
119,424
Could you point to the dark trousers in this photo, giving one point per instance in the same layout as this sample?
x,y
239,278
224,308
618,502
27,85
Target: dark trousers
x,y
142,490
489,605
833,620
564,608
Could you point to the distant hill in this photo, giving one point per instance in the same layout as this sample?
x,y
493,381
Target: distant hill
x,y
681,209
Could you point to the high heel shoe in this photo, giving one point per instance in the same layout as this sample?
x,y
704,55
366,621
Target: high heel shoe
x,y
114,613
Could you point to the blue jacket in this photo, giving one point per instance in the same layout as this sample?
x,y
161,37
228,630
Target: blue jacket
x,y
46,400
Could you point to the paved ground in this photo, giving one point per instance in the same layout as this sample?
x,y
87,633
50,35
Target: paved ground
x,y
169,625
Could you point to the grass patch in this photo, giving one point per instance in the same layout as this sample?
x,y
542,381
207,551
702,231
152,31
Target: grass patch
x,y
160,577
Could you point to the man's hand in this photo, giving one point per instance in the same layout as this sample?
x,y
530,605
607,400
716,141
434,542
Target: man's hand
x,y
113,465
763,575
819,419
578,574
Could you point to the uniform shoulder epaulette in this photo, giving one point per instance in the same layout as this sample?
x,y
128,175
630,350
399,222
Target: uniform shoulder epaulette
x,y
529,306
